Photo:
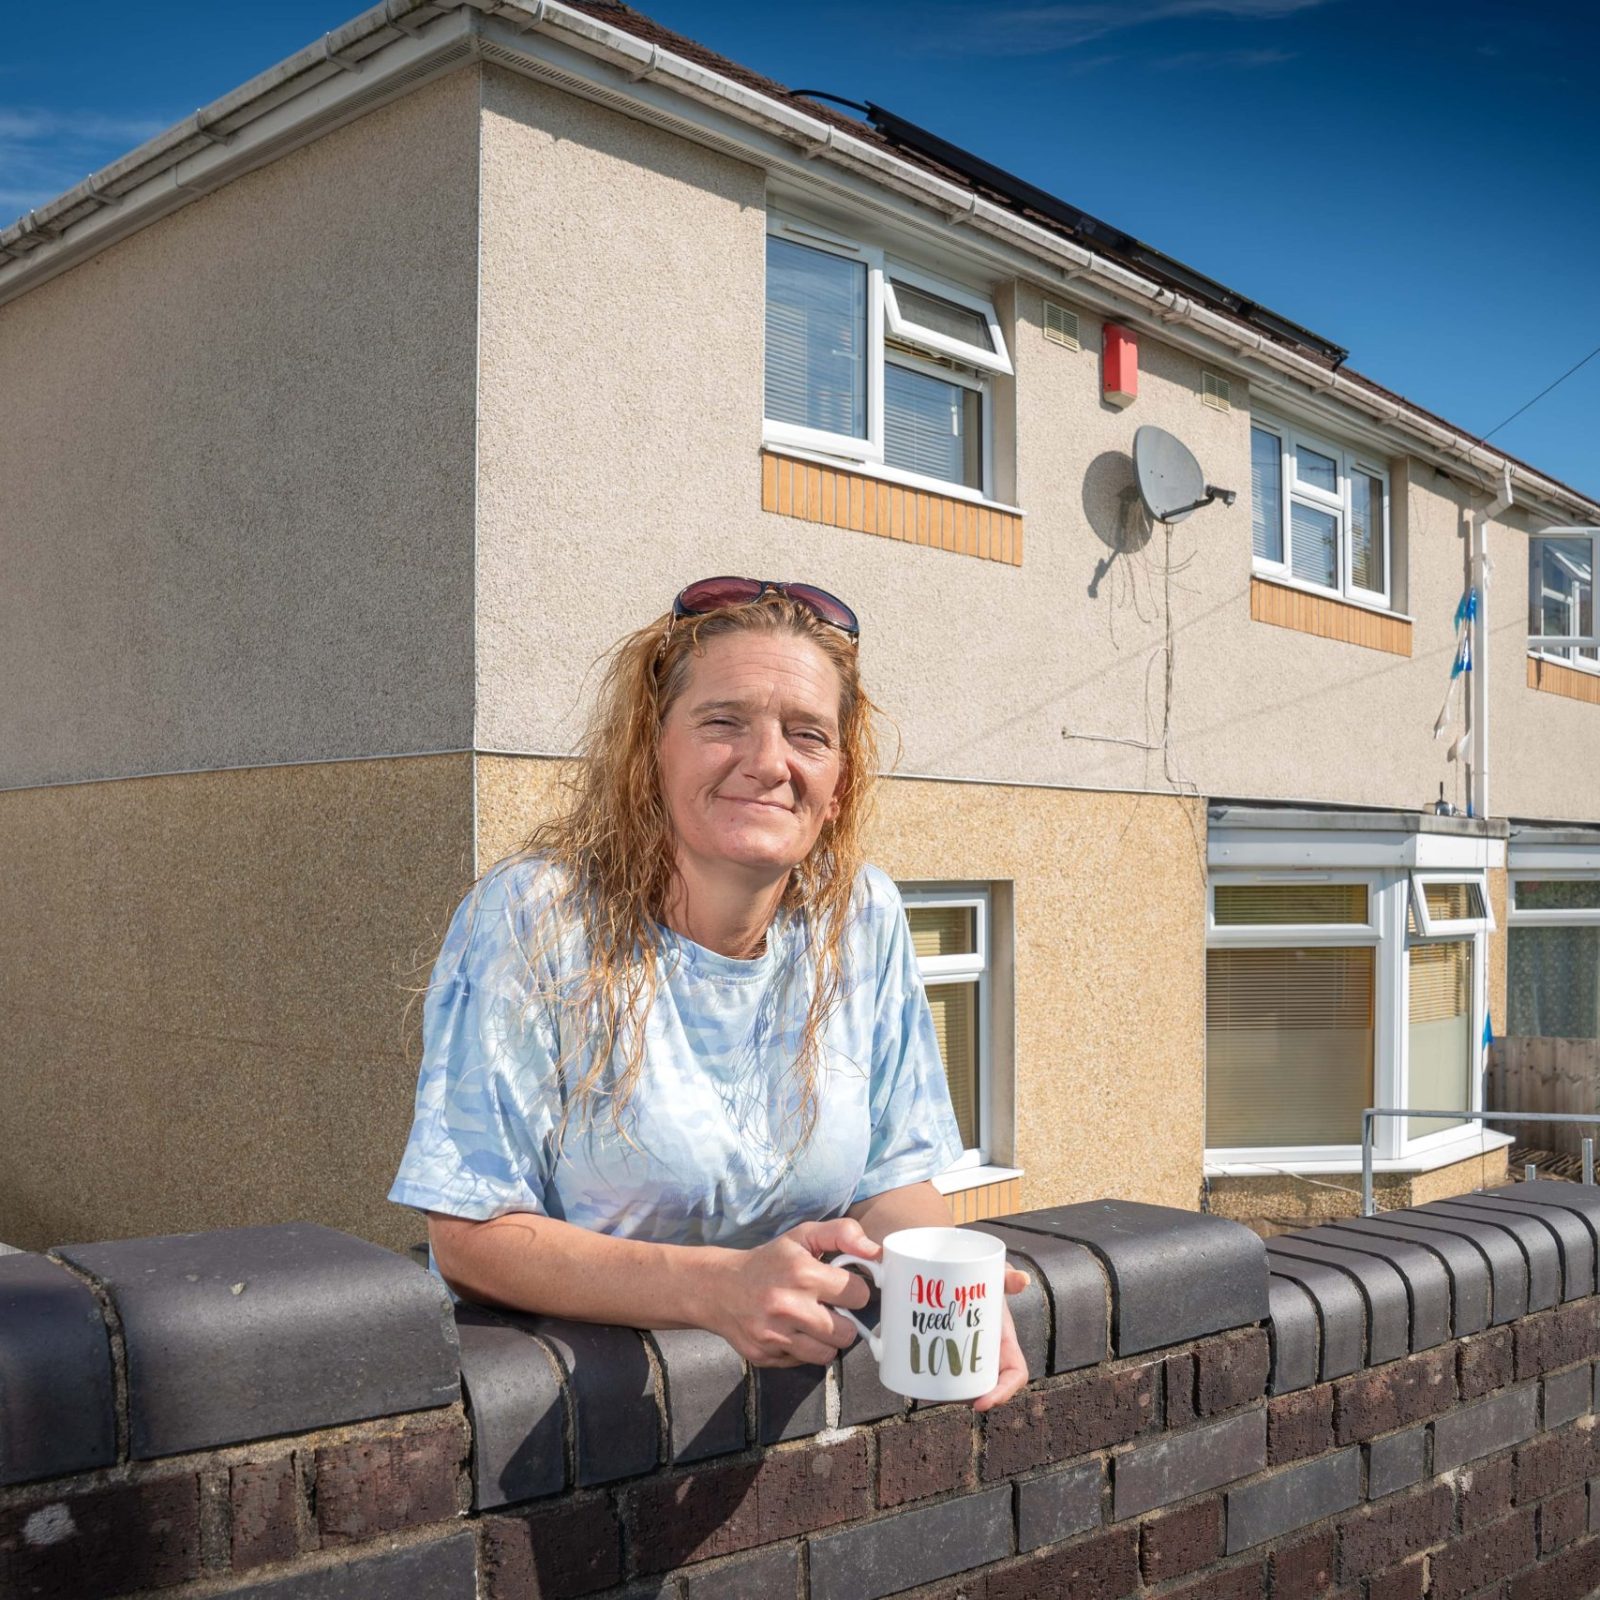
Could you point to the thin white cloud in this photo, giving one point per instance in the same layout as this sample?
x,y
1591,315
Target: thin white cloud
x,y
1219,60
43,153
1041,29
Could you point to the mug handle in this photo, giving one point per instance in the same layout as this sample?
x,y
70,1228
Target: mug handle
x,y
874,1343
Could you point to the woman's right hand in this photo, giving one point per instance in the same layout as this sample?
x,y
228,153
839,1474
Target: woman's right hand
x,y
774,1303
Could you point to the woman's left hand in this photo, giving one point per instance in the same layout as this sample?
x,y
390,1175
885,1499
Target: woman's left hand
x,y
1013,1364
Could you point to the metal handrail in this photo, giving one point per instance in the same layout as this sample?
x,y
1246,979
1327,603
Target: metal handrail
x,y
1369,1207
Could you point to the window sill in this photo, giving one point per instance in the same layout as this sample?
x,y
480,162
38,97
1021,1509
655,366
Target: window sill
x,y
959,1178
867,499
1550,676
1269,1162
1286,604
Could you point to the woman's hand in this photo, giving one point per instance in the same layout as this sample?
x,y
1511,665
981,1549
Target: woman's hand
x,y
1013,1364
774,1304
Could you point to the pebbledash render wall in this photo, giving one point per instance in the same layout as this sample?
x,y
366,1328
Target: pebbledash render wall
x,y
1395,1410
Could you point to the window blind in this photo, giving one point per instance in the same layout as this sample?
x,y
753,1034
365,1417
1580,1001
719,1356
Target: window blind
x,y
816,369
1453,902
1266,495
1439,1073
1366,533
931,427
1244,904
955,1024
939,315
943,930
1289,1037
1314,545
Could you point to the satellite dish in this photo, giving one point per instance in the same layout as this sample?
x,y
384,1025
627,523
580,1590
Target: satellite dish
x,y
1171,483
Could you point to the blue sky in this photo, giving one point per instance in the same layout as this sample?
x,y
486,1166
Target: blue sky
x,y
1416,180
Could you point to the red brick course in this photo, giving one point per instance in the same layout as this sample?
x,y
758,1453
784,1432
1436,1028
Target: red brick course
x,y
931,1453
373,1486
1485,1362
1103,1566
1056,1424
1563,1518
1299,1424
1182,1541
1385,1534
1575,1573
1231,1370
1399,1583
1485,1491
1495,1552
1305,1569
1559,1338
1238,1583
263,1497
571,1549
1394,1396
1552,1462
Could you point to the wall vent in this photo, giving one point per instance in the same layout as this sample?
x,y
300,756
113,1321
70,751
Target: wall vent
x,y
1061,325
1214,392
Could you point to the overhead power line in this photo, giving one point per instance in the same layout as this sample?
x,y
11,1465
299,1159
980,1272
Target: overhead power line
x,y
1541,394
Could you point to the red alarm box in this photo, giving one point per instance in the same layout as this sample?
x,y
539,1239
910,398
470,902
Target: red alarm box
x,y
1119,365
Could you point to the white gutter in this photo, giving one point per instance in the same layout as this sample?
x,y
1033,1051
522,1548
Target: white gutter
x,y
393,47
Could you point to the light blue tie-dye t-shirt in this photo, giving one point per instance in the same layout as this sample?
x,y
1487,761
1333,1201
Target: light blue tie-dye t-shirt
x,y
707,1155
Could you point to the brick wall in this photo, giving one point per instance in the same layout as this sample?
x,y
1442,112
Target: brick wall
x,y
1395,1410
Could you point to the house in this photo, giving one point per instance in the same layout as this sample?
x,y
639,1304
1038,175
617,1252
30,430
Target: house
x,y
351,419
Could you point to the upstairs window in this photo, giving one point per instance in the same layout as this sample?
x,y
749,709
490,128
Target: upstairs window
x,y
1319,513
1561,615
878,362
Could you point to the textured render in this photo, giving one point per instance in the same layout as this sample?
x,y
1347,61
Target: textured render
x,y
649,467
209,999
238,469
1109,986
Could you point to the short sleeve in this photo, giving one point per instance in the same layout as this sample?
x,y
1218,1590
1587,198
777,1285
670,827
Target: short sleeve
x,y
484,1117
914,1130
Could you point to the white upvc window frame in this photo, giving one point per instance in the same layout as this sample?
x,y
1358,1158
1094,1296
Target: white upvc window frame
x,y
1563,917
975,968
1389,898
1431,927
885,321
1340,504
1564,648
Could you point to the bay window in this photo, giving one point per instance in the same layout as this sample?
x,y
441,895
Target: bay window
x,y
877,362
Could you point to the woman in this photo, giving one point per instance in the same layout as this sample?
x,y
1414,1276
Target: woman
x,y
676,1051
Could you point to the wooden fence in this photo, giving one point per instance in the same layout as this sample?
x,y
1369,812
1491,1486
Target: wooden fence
x,y
1527,1074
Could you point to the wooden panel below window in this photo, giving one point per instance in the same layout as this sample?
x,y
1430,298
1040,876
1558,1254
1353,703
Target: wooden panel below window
x,y
853,500
1285,607
1553,678
987,1200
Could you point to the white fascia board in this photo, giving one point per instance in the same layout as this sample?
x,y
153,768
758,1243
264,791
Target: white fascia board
x,y
1554,857
1282,850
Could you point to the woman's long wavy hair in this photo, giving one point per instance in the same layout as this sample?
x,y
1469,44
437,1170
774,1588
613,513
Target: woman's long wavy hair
x,y
616,845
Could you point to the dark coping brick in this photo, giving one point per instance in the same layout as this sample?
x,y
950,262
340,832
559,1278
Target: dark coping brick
x,y
1299,1425
862,1396
1231,1370
1485,1363
1563,1518
1184,1464
1076,1289
263,1497
1558,1338
57,1412
703,1381
1056,1505
1567,1395
1030,1316
1534,1238
365,1487
1580,1200
1394,1396
1577,1572
443,1569
1574,1240
1485,1426
295,1327
1467,1565
513,1387
1483,1492
791,1402
1080,1414
720,1508
99,1542
1508,1271
1423,1273
930,1453
616,1419
1294,1331
911,1547
1462,1261
1179,1390
1180,1542
1396,1462
1388,1306
771,1574
1293,1498
1551,1462
571,1548
1385,1534
1304,1569
1175,1275
1399,1583
1341,1313
1103,1566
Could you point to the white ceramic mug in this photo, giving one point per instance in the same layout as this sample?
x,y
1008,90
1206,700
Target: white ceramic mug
x,y
943,1306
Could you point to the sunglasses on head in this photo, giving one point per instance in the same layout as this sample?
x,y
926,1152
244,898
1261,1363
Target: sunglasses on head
x,y
717,594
